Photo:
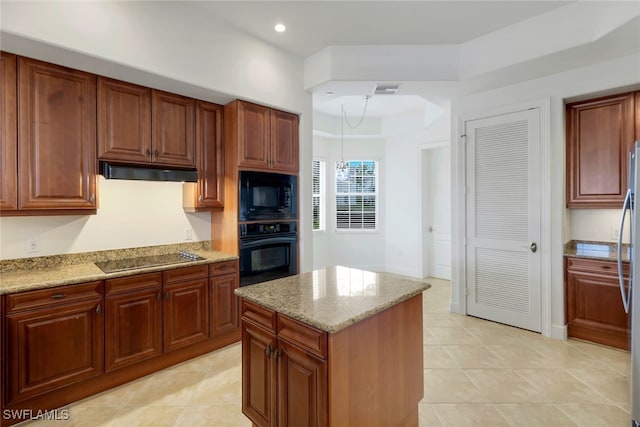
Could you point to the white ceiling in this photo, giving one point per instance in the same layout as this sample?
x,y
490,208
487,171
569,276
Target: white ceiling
x,y
314,25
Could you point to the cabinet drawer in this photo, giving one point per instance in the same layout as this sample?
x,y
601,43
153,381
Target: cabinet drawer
x,y
304,336
133,283
595,266
185,273
259,315
224,267
46,297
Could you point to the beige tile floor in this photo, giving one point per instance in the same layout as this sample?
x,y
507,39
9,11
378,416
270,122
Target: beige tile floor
x,y
477,373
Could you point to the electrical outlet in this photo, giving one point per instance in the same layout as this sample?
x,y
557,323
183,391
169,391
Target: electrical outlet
x,y
33,245
615,232
188,234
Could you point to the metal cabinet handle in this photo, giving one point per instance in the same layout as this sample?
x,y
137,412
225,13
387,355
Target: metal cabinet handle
x,y
267,351
58,296
277,353
92,199
200,198
156,153
98,309
148,152
166,296
159,296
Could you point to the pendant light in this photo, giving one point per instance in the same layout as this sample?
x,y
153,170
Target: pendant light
x,y
342,167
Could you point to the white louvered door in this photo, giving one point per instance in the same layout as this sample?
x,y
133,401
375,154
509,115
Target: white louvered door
x,y
503,218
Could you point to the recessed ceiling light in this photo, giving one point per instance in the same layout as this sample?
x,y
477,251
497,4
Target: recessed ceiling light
x,y
280,28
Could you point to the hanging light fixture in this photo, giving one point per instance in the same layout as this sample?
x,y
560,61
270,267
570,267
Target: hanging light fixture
x,y
342,167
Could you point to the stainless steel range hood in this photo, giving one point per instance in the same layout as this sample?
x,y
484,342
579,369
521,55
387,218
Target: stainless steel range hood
x,y
143,173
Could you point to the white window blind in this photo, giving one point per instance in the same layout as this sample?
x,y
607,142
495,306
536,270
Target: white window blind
x,y
357,197
317,179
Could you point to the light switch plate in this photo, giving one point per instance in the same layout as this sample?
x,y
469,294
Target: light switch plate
x,y
33,246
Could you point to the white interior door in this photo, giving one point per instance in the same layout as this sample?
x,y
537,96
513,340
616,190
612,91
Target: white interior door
x,y
503,218
439,212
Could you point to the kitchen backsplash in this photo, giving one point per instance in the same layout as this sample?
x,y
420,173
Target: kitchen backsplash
x,y
598,225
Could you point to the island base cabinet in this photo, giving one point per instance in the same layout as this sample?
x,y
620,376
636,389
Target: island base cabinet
x,y
367,374
258,375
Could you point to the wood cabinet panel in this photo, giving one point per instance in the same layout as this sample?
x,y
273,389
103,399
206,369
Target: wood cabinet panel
x,y
600,134
224,304
594,307
224,267
284,141
185,273
56,137
53,296
133,327
304,336
173,131
124,121
186,314
254,135
258,375
133,283
210,156
53,347
9,132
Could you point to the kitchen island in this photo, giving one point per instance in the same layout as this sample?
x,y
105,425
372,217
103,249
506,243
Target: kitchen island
x,y
333,347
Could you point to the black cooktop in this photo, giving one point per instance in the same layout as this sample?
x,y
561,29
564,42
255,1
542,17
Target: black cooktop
x,y
147,261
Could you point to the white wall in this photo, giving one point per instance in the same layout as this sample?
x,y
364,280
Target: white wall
x,y
350,248
620,72
174,46
131,213
597,225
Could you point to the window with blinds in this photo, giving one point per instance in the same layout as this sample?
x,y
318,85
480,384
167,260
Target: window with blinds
x,y
357,197
317,182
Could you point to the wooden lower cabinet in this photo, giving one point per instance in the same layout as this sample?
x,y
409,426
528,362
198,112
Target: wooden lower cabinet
x,y
294,375
594,307
54,341
133,319
62,344
186,314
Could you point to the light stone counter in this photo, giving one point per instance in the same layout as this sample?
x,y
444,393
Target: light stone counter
x,y
333,298
55,271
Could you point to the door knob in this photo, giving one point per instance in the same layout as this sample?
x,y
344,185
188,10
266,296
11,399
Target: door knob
x,y
533,247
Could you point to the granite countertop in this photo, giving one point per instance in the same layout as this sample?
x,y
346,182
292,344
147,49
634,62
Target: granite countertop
x,y
595,250
333,298
48,272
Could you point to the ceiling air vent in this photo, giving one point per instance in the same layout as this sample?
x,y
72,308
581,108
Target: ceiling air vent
x,y
386,89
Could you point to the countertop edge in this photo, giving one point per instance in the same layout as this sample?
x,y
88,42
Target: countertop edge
x,y
332,328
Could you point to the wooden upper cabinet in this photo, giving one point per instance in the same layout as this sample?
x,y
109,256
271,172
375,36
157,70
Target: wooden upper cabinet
x,y
173,135
600,135
253,135
56,137
208,192
267,139
9,132
284,141
124,121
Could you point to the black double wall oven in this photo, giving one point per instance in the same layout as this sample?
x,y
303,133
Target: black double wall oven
x,y
268,231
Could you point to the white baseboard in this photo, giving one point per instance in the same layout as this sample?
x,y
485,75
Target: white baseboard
x,y
454,307
559,332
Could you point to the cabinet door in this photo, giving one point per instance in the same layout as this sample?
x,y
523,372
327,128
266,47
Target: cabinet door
x,y
284,142
53,347
224,304
56,137
254,140
173,135
594,309
302,388
258,375
186,314
124,121
133,327
210,156
600,134
9,133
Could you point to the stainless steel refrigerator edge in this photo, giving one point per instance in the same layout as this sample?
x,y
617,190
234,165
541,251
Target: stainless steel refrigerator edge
x,y
631,296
